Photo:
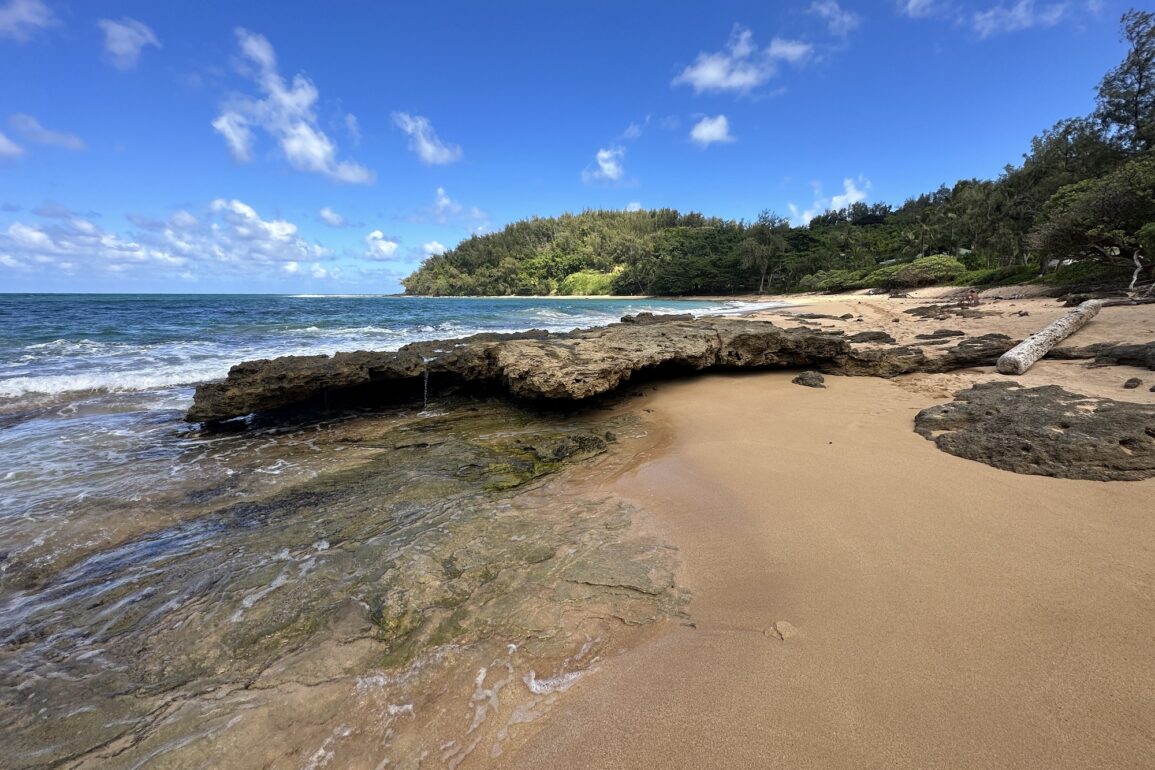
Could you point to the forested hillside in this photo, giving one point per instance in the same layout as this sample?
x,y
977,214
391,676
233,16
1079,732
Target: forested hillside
x,y
1083,199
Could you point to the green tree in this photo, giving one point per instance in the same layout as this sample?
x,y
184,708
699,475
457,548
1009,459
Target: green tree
x,y
764,246
1126,100
1108,219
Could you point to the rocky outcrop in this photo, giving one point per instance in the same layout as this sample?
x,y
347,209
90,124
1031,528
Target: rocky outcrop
x,y
537,365
1045,431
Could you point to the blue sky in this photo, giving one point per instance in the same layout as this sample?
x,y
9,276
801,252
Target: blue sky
x,y
304,147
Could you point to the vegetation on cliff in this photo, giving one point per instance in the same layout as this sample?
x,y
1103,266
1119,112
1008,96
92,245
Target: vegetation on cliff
x,y
1083,200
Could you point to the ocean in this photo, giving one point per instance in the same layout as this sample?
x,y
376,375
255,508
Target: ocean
x,y
92,387
144,564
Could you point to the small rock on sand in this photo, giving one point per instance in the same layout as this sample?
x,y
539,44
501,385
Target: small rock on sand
x,y
1132,383
810,379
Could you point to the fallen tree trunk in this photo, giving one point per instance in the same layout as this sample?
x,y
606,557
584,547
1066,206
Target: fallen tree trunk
x,y
1021,357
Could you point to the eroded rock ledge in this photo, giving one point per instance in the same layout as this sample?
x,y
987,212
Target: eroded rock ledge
x,y
541,366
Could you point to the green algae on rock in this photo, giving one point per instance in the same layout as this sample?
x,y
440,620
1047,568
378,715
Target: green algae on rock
x,y
445,540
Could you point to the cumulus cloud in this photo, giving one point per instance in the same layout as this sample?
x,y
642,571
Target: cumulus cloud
x,y
79,239
30,128
286,113
125,39
740,67
853,191
433,247
609,166
634,206
332,218
21,19
1025,14
9,149
424,141
839,21
709,131
227,237
378,246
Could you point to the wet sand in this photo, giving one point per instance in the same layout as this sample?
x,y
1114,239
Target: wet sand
x,y
862,599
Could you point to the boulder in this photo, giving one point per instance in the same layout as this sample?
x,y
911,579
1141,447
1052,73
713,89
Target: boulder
x,y
1045,431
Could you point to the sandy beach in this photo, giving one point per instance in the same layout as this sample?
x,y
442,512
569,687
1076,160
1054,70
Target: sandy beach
x,y
863,599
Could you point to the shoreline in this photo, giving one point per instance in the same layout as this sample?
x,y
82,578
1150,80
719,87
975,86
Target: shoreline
x,y
509,587
861,598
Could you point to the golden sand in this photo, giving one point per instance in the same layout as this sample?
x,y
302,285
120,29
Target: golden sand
x,y
862,599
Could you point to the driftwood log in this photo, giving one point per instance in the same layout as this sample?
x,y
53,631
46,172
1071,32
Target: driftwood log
x,y
1020,358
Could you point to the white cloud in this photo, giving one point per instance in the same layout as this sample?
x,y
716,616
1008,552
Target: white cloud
x,y
634,131
228,238
31,129
424,141
793,51
853,191
125,39
183,220
610,168
740,66
446,211
839,21
286,113
377,246
918,9
1024,14
353,127
21,19
634,206
234,127
79,238
731,69
708,131
433,247
9,148
332,218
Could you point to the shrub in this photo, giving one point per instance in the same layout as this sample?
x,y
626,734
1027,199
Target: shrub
x,y
997,276
882,277
586,282
1084,272
927,271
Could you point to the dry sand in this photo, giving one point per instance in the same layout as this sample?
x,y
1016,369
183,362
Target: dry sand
x,y
862,599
